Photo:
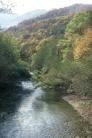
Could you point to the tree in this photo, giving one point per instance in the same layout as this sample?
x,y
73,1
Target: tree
x,y
46,55
83,45
6,6
11,66
79,22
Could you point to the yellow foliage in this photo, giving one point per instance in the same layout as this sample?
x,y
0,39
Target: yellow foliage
x,y
83,45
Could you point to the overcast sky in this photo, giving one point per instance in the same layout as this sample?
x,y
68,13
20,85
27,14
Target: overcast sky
x,y
23,6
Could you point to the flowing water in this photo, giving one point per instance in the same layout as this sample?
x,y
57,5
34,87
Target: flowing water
x,y
23,114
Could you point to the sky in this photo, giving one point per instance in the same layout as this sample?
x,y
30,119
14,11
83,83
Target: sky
x,y
23,6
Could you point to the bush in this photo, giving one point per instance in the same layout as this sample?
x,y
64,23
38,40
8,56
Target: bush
x,y
10,66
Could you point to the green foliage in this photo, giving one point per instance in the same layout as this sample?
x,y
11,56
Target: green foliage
x,y
8,50
46,55
31,34
82,51
57,62
59,49
10,65
82,80
80,21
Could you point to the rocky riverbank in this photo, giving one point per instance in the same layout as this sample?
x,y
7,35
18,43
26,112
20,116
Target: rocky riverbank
x,y
82,105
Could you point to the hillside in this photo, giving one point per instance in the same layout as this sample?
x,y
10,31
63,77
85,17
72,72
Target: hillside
x,y
7,20
52,23
55,13
26,16
58,45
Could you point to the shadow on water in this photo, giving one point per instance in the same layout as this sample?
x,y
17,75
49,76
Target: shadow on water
x,y
27,111
11,98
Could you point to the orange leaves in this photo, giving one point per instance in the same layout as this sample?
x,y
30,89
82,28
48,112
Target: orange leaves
x,y
83,44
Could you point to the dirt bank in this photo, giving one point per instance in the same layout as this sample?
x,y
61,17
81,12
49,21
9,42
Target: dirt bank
x,y
82,105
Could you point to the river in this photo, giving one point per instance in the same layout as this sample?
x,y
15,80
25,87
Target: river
x,y
24,114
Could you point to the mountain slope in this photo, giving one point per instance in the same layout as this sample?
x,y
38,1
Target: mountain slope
x,y
67,10
27,16
59,48
52,23
59,12
7,20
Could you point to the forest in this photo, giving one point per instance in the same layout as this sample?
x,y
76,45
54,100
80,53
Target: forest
x,y
12,68
58,49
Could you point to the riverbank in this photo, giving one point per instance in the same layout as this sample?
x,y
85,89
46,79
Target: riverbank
x,y
82,105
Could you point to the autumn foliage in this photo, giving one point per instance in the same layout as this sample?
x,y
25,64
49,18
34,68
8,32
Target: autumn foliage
x,y
83,44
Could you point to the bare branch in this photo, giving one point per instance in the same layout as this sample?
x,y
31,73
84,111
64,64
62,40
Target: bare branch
x,y
6,6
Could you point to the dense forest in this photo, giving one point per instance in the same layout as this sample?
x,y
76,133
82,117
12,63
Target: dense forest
x,y
12,68
58,48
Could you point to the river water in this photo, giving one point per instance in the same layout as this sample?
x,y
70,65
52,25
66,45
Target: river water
x,y
24,114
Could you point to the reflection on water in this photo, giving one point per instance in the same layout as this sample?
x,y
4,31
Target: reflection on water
x,y
23,114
